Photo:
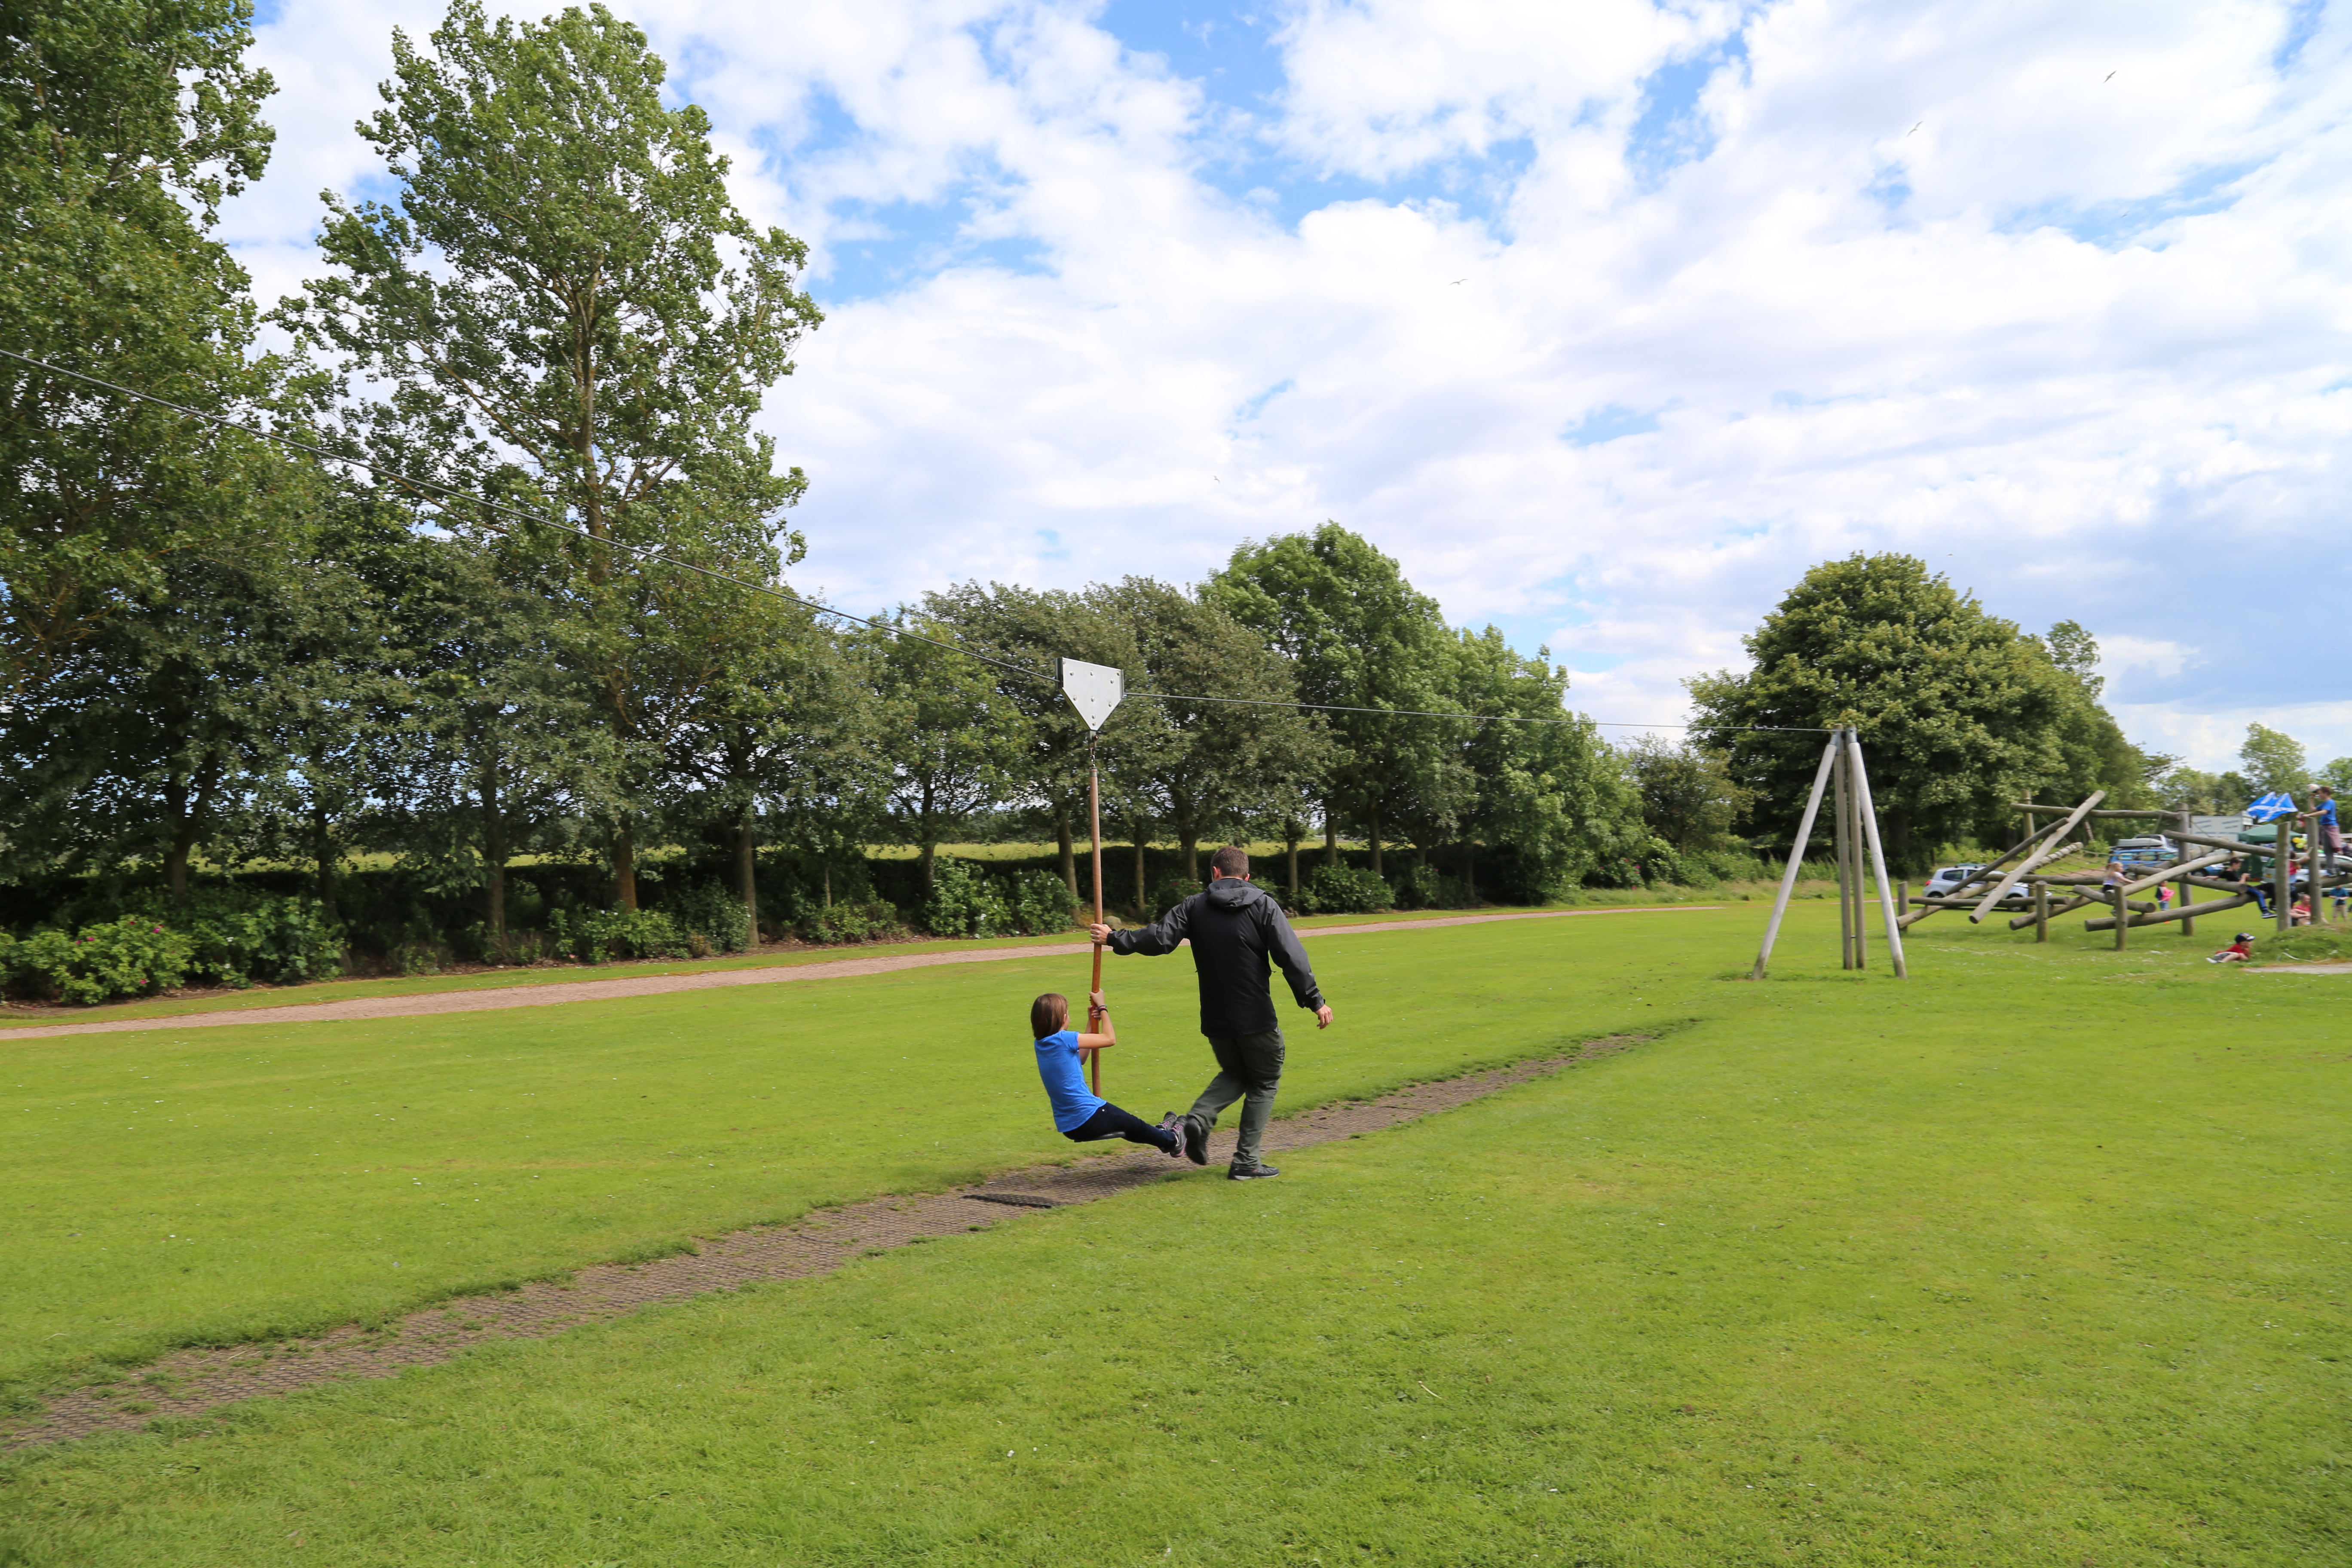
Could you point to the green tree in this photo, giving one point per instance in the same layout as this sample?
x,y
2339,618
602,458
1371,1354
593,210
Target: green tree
x,y
2275,762
1367,644
955,744
1213,767
1028,631
776,736
1958,713
1545,796
486,748
571,316
1688,795
123,125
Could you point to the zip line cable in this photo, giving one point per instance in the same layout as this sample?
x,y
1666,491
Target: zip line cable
x,y
646,553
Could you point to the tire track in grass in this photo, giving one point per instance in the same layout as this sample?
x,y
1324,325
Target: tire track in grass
x,y
188,1383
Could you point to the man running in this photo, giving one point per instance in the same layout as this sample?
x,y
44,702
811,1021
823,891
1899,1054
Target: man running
x,y
1237,933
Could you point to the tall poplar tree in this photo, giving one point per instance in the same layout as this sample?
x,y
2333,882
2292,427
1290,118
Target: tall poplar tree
x,y
572,317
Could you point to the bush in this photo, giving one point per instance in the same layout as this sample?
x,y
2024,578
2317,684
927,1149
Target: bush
x,y
133,956
237,937
850,923
1170,892
598,936
1040,904
1344,890
964,901
710,911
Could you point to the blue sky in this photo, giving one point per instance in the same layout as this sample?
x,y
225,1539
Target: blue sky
x,y
1606,318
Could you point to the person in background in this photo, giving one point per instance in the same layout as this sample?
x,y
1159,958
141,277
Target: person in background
x,y
2241,948
2323,818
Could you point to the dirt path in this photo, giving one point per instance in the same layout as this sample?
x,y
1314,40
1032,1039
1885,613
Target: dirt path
x,y
658,984
189,1382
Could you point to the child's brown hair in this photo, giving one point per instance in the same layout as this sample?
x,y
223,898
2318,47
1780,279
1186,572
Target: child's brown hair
x,y
1049,1014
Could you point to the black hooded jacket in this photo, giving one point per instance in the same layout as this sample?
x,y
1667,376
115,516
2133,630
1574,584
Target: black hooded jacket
x,y
1235,929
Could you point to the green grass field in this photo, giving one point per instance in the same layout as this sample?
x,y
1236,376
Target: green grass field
x,y
2038,1258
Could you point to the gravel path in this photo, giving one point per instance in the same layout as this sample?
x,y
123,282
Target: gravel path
x,y
556,996
189,1382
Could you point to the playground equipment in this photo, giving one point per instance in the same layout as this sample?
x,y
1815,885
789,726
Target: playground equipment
x,y
2267,844
1855,827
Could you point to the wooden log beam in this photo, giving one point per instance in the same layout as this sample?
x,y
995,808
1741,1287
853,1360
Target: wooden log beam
x,y
2107,922
2027,805
2068,908
1982,874
2009,879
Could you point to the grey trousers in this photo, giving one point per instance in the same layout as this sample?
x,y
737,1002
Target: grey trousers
x,y
1249,1069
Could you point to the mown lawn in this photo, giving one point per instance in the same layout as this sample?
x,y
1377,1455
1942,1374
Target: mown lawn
x,y
233,1183
2040,1258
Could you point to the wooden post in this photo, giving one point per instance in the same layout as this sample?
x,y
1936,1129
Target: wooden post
x,y
2188,893
2315,858
2123,915
1868,811
2040,911
2281,880
1796,860
1094,819
1849,906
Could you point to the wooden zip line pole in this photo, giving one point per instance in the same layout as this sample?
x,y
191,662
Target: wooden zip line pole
x,y
1796,860
1868,811
1095,691
1854,832
1094,818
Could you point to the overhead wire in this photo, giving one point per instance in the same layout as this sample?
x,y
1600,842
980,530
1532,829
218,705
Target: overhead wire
x,y
426,489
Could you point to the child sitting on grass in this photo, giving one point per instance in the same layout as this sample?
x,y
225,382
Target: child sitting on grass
x,y
2240,950
1078,1115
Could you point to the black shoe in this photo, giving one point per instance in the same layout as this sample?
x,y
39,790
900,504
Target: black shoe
x,y
1196,1143
1250,1173
1174,1125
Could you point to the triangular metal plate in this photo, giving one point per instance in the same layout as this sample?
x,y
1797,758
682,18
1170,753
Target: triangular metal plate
x,y
1094,689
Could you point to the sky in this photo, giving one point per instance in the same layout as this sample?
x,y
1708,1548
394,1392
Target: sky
x,y
1606,319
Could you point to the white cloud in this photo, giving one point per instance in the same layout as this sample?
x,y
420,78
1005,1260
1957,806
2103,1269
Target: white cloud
x,y
1916,277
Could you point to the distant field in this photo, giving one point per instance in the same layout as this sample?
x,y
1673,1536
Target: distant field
x,y
2039,1258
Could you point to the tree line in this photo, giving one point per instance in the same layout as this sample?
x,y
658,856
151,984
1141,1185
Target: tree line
x,y
516,589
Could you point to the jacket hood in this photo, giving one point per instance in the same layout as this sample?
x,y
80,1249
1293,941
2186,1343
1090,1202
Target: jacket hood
x,y
1232,892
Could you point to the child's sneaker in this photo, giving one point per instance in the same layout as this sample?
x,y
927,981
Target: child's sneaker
x,y
1174,1125
1250,1173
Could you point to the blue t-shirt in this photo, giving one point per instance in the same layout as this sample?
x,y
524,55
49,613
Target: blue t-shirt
x,y
2327,811
1066,1081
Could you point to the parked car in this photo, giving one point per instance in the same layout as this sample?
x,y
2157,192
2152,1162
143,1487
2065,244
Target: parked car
x,y
1948,880
2158,851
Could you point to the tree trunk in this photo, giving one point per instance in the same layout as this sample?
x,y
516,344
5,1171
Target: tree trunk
x,y
624,866
322,847
1290,853
747,871
1143,907
494,858
930,858
183,838
1372,820
1190,838
1069,855
1330,836
1470,872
